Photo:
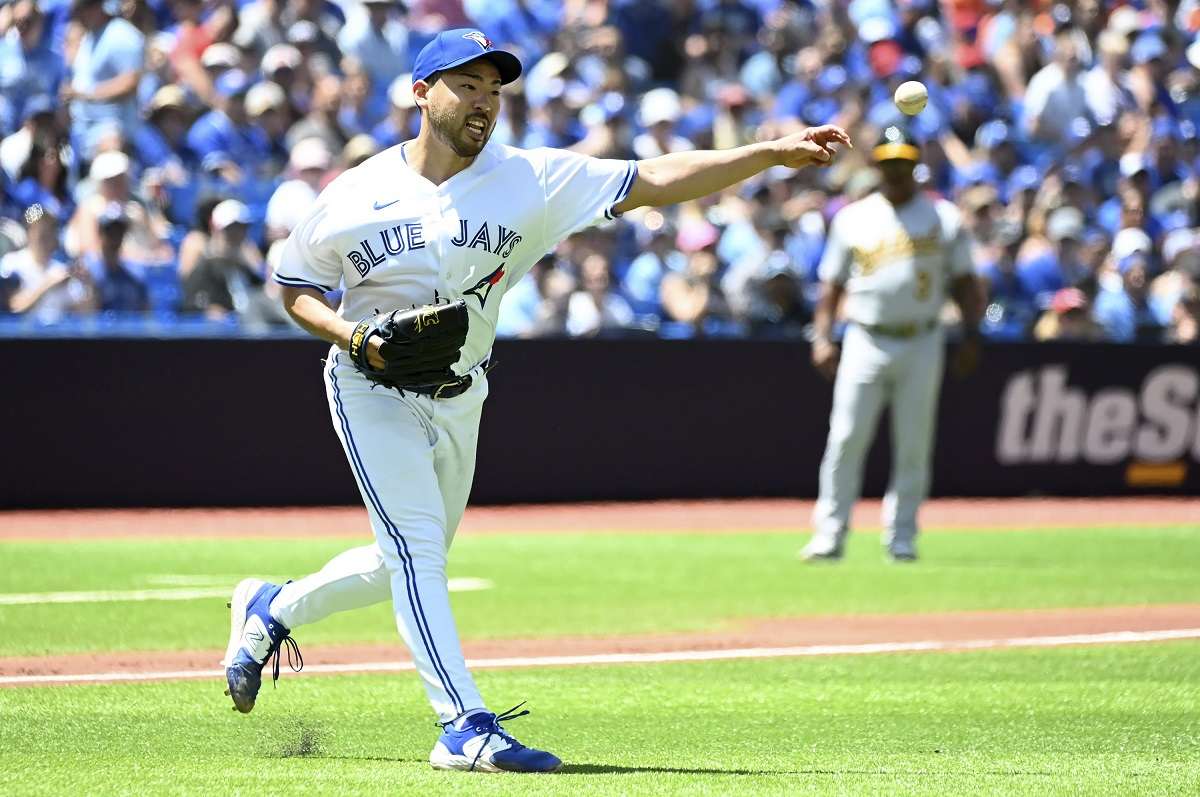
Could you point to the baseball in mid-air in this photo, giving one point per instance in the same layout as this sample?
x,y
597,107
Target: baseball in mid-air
x,y
911,97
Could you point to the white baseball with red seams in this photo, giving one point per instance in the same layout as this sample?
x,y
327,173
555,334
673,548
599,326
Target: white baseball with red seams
x,y
391,238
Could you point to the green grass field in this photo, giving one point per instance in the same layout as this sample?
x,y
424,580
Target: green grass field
x,y
1121,719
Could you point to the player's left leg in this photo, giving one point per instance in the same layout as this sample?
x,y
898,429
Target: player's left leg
x,y
475,739
914,412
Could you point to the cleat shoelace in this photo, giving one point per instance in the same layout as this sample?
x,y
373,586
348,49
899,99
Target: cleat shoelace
x,y
492,728
292,648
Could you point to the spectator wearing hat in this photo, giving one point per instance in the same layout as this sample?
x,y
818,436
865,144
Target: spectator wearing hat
x,y
321,121
692,297
162,138
1122,307
46,287
357,151
403,118
226,129
283,64
658,112
1147,78
29,65
376,36
309,166
145,230
115,280
268,110
225,281
1068,318
1056,94
105,72
1181,268
1061,266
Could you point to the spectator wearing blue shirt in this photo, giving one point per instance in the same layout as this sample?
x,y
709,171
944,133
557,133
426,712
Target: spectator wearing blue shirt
x,y
104,75
162,139
1011,307
1061,267
29,67
226,129
643,279
113,277
1123,309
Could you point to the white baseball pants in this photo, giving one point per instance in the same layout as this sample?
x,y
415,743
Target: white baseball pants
x,y
875,370
414,460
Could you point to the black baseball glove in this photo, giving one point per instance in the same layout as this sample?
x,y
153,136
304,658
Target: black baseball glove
x,y
418,345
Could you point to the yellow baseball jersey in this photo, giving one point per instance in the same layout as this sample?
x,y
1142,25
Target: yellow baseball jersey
x,y
895,262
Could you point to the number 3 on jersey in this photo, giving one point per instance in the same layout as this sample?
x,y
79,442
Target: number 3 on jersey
x,y
921,288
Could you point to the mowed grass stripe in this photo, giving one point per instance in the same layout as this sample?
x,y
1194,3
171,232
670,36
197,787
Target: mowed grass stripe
x,y
1098,720
661,657
589,584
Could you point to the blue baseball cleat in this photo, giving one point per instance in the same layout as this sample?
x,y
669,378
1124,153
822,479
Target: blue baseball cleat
x,y
481,745
254,637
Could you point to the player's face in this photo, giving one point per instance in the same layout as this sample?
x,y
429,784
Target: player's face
x,y
897,172
463,106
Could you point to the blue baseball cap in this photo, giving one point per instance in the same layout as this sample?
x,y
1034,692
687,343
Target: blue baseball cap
x,y
232,83
452,48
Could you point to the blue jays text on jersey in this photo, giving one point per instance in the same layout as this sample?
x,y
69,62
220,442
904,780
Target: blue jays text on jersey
x,y
410,236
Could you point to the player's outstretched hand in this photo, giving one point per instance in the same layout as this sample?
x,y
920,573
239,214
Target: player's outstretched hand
x,y
813,146
825,358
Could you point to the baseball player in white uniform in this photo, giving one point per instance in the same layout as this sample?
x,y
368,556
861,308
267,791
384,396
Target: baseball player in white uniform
x,y
445,217
892,256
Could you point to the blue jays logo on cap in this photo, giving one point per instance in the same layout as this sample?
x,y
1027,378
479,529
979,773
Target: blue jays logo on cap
x,y
479,38
456,47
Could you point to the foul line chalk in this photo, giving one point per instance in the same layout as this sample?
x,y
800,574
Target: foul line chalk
x,y
665,657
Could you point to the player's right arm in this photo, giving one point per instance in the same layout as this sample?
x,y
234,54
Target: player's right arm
x,y
309,308
834,271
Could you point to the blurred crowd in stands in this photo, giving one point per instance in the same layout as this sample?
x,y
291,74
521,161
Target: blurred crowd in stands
x,y
156,152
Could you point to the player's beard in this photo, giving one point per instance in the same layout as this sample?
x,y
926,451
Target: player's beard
x,y
452,132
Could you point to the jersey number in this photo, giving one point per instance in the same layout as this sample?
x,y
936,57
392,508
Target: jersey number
x,y
921,289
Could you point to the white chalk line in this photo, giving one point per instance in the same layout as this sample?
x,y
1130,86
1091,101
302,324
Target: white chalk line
x,y
664,657
467,584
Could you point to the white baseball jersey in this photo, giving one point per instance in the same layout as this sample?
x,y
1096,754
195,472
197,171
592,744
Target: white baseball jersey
x,y
393,239
895,263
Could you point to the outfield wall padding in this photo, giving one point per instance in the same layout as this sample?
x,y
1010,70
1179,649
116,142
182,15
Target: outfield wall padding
x,y
242,422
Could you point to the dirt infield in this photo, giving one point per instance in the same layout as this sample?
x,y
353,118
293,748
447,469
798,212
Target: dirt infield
x,y
662,516
952,630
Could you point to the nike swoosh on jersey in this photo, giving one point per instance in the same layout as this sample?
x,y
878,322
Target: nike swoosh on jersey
x,y
385,205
